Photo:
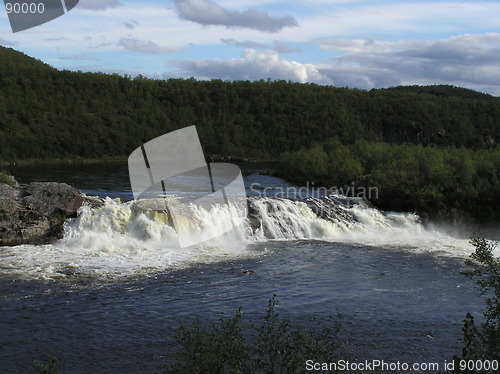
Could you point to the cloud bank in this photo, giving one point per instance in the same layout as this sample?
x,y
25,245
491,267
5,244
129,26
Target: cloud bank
x,y
142,46
278,46
252,65
206,12
79,57
466,60
469,60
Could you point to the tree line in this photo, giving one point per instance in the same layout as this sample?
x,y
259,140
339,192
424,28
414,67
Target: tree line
x,y
48,113
450,183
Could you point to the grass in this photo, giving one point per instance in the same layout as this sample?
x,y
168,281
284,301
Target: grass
x,y
4,178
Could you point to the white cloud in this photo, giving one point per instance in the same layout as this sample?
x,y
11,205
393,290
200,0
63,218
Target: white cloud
x,y
79,57
252,66
395,19
131,24
142,46
284,48
245,43
6,43
98,4
207,13
278,46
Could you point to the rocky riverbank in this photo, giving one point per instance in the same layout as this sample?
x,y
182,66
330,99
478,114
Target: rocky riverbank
x,y
35,213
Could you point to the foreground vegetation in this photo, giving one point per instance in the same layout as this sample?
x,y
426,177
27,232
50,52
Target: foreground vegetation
x,y
6,179
275,346
409,139
482,343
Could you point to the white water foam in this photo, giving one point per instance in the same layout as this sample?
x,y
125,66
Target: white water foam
x,y
286,219
402,231
126,238
121,239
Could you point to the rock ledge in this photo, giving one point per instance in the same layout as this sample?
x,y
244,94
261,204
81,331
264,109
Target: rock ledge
x,y
35,214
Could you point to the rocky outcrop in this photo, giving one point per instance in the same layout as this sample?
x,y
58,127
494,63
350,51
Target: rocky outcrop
x,y
36,213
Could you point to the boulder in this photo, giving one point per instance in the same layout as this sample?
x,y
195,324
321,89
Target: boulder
x,y
35,214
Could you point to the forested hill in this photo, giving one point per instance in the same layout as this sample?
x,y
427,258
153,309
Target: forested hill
x,y
46,113
443,91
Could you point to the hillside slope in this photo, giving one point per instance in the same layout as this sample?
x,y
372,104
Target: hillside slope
x,y
46,113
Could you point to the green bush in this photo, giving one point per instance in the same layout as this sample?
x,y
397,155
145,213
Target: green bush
x,y
4,178
50,365
218,349
277,345
482,342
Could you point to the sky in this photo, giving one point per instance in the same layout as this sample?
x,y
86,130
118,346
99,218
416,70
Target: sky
x,y
345,43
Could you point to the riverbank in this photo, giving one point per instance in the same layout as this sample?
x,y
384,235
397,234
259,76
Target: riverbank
x,y
117,159
66,161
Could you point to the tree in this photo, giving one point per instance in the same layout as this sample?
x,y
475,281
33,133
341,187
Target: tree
x,y
482,343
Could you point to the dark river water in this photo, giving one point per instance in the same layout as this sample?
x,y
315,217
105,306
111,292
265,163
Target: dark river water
x,y
400,300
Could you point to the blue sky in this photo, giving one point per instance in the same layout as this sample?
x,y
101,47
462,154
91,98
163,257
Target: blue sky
x,y
347,43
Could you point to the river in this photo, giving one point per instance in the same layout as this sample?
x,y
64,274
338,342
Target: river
x,y
109,296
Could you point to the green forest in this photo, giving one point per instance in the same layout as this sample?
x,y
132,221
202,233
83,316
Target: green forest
x,y
430,149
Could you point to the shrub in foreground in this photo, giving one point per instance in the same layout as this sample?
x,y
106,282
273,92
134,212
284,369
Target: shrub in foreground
x,y
274,346
482,342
